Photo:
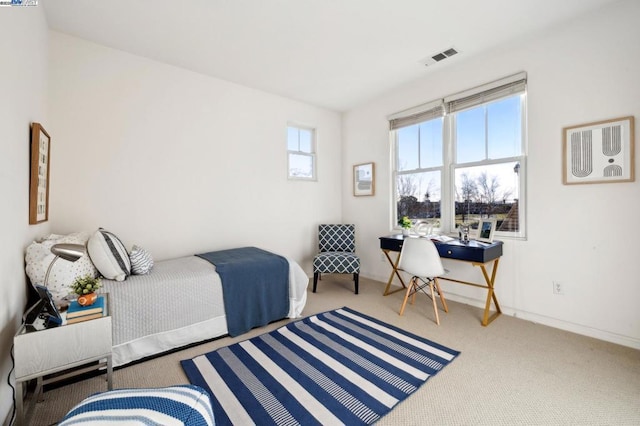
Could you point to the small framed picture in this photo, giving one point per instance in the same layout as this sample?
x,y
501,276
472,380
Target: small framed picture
x,y
364,179
486,228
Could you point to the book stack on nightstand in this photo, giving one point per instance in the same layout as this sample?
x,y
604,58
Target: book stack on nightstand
x,y
78,313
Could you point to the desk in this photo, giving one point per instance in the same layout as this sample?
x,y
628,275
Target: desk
x,y
477,253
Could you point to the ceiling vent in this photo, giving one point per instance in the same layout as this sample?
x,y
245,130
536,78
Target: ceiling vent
x,y
440,56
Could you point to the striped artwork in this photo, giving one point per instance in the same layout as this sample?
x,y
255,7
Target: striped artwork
x,y
338,367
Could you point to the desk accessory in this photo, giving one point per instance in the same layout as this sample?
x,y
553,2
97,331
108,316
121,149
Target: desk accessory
x,y
463,232
44,310
486,228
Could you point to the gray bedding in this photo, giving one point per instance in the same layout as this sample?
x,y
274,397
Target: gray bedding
x,y
178,292
179,303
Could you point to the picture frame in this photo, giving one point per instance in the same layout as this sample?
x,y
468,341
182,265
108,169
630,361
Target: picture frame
x,y
599,152
364,182
486,229
39,174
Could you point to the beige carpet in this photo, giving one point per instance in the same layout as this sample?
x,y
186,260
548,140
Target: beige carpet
x,y
512,372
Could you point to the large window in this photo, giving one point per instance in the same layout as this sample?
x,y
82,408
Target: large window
x,y
462,159
301,153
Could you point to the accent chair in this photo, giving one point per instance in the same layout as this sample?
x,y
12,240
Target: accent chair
x,y
337,246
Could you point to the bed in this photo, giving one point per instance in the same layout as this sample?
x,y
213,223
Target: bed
x,y
161,306
178,303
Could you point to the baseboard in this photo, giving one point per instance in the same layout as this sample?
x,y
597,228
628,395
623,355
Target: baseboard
x,y
553,322
604,335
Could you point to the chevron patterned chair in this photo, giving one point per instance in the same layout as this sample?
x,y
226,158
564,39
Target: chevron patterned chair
x,y
337,246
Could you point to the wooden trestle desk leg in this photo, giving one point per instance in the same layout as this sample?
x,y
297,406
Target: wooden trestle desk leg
x,y
490,293
394,265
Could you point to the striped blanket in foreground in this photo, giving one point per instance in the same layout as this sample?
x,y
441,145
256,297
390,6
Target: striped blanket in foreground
x,y
339,367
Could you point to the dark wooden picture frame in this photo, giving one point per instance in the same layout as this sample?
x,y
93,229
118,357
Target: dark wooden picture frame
x,y
39,177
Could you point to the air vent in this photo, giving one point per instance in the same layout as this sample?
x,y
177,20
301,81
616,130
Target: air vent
x,y
450,52
440,56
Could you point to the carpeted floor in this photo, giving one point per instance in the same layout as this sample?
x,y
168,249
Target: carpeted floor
x,y
512,372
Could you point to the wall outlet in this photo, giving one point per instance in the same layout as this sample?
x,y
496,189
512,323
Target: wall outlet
x,y
558,287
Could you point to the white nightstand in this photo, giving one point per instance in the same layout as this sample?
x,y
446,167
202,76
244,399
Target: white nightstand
x,y
39,353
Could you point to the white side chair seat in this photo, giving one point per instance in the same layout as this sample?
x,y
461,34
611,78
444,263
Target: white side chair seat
x,y
420,259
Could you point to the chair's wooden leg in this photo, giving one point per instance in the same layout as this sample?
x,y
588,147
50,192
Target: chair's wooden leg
x,y
315,280
415,285
435,306
355,279
444,302
406,295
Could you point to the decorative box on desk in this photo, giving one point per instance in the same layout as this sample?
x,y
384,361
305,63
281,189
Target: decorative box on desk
x,y
43,352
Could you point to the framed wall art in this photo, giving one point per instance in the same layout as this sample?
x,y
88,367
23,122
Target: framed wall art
x,y
39,177
599,152
364,179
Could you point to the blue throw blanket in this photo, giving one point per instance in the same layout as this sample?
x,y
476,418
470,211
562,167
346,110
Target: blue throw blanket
x,y
255,286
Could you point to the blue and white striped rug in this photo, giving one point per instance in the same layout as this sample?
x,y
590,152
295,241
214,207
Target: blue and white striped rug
x,y
339,367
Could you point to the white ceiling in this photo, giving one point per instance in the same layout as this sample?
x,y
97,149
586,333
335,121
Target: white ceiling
x,y
331,53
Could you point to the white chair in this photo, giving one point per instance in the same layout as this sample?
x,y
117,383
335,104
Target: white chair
x,y
420,259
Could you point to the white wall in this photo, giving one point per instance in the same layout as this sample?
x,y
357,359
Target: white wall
x,y
179,162
160,156
23,85
582,235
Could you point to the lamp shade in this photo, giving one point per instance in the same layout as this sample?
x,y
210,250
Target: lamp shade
x,y
66,251
70,252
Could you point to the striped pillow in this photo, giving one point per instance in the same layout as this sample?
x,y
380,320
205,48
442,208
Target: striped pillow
x,y
141,261
109,255
175,405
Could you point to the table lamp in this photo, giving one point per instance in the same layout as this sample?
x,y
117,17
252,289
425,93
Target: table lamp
x,y
66,251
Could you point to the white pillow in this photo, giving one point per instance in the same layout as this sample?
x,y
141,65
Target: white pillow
x,y
38,257
141,261
109,255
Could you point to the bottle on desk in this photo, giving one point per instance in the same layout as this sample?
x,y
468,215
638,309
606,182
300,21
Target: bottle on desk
x,y
463,233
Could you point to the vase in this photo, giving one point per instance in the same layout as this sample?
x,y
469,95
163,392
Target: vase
x,y
87,299
406,232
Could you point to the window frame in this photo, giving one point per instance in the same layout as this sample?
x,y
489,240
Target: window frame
x,y
450,165
311,154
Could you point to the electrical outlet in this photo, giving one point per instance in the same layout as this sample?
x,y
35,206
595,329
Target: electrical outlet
x,y
558,287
